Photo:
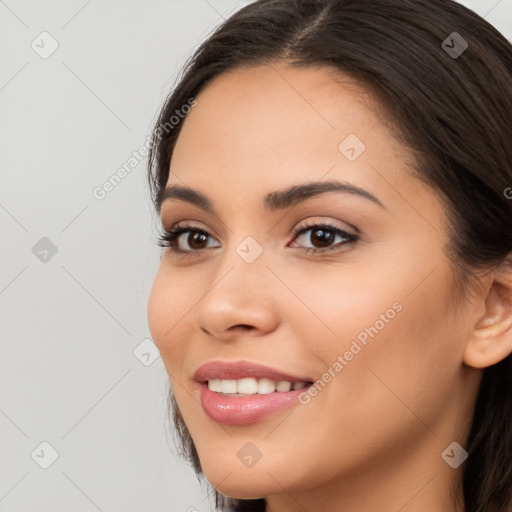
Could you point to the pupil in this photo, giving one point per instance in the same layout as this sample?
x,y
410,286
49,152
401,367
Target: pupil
x,y
196,238
324,237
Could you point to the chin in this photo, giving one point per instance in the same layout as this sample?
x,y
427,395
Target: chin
x,y
237,481
249,490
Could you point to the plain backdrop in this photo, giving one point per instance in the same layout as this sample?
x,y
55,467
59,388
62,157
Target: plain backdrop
x,y
83,393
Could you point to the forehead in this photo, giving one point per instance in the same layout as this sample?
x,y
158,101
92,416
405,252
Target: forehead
x,y
266,127
314,102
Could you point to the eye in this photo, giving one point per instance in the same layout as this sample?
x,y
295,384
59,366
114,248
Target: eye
x,y
196,238
322,234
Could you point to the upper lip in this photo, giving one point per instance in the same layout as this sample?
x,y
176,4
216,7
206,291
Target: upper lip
x,y
241,369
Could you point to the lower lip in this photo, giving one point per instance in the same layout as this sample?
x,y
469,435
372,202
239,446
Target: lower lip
x,y
243,410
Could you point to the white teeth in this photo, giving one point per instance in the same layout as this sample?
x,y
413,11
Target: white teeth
x,y
266,386
252,386
228,386
248,386
215,385
284,386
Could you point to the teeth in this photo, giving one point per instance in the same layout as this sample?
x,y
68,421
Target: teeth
x,y
266,386
247,386
252,386
215,385
228,386
283,386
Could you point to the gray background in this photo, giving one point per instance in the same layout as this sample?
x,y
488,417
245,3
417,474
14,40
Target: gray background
x,y
71,321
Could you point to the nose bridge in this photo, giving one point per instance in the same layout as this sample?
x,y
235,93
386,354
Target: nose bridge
x,y
242,270
240,291
244,245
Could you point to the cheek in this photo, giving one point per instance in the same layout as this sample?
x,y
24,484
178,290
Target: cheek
x,y
395,325
156,311
333,306
400,363
165,312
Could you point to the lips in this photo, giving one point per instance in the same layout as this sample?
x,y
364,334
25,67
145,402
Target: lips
x,y
241,369
244,409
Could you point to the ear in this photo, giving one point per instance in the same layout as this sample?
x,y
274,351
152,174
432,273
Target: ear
x,y
491,339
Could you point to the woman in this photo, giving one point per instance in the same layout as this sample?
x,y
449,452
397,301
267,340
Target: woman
x,y
334,299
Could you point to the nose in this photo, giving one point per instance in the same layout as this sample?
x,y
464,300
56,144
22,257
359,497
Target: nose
x,y
239,300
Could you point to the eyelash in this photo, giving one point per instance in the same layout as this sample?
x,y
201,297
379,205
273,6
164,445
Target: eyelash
x,y
168,238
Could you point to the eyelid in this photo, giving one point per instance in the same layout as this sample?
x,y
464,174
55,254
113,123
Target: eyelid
x,y
307,224
172,235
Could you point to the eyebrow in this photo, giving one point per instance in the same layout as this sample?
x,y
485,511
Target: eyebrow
x,y
277,200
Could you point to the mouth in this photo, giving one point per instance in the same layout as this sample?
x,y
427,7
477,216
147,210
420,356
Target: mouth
x,y
251,406
249,386
243,392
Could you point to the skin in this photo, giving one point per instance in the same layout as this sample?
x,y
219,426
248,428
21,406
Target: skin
x,y
372,439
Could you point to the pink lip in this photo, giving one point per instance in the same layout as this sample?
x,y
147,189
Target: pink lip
x,y
241,369
234,410
242,410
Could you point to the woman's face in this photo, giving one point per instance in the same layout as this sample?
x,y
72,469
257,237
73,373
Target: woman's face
x,y
376,315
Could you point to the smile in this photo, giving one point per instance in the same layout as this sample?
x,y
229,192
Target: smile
x,y
251,386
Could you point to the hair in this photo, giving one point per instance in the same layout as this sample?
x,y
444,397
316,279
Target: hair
x,y
453,113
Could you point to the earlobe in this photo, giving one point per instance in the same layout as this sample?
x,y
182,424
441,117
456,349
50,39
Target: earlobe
x,y
491,339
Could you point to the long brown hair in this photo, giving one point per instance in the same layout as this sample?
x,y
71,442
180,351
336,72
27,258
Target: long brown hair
x,y
451,108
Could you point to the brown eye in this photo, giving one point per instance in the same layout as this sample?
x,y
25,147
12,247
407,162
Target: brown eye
x,y
181,236
322,237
